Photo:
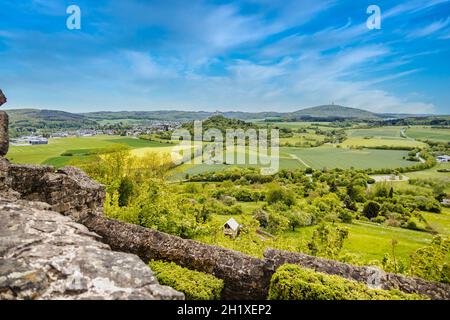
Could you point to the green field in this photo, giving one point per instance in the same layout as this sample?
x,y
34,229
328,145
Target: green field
x,y
383,132
380,142
331,157
325,156
297,124
433,174
80,146
428,133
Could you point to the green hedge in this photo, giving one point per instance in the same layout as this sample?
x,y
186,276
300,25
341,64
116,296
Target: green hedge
x,y
292,282
195,285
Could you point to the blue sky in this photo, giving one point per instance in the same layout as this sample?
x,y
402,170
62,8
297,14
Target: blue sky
x,y
254,55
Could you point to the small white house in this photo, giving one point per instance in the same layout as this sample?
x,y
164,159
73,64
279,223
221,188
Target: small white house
x,y
446,202
231,228
443,158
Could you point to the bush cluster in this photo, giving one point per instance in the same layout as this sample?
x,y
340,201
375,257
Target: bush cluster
x,y
195,285
292,282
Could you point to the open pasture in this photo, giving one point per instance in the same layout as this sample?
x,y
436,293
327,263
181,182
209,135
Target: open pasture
x,y
327,156
380,142
382,132
429,133
56,152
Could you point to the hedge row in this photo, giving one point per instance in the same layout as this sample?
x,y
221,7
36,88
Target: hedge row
x,y
292,282
195,285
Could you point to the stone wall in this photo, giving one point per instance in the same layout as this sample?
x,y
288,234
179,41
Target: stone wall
x,y
68,190
4,136
4,122
244,277
45,255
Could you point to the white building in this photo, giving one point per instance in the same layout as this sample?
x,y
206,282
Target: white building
x,y
231,228
443,158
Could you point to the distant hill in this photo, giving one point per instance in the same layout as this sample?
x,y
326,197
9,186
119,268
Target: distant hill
x,y
148,115
333,111
44,115
28,120
54,118
325,111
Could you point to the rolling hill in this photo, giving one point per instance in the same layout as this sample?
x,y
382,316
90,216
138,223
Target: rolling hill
x,y
28,120
333,111
43,115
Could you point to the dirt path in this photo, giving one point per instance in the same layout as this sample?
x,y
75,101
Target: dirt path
x,y
293,156
389,178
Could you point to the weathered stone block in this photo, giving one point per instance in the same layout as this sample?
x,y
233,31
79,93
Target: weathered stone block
x,y
4,136
2,98
44,255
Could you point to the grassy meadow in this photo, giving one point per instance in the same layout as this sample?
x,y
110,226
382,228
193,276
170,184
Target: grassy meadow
x,y
328,156
78,147
429,133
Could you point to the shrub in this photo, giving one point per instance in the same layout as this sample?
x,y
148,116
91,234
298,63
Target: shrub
x,y
346,216
371,209
327,241
292,282
195,285
430,262
280,194
228,200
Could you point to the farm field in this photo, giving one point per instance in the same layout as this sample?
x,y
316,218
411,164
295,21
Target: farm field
x,y
79,147
380,142
383,132
297,124
428,133
433,174
308,138
327,156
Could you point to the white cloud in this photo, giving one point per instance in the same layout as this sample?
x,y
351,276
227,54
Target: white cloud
x,y
429,29
412,6
144,67
291,84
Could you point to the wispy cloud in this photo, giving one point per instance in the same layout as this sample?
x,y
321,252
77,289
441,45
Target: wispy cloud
x,y
241,55
412,6
430,29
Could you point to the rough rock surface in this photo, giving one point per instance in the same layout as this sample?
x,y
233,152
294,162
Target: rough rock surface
x,y
4,122
2,98
4,137
68,190
45,255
